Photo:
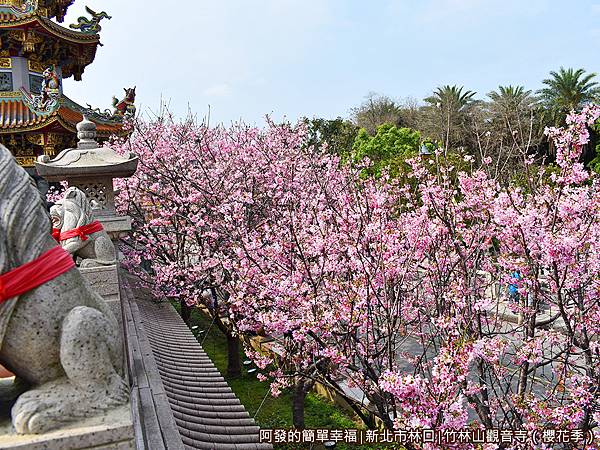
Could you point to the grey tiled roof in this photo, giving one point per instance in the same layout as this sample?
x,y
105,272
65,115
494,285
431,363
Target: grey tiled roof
x,y
186,394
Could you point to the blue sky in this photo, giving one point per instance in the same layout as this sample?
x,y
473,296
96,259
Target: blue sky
x,y
293,58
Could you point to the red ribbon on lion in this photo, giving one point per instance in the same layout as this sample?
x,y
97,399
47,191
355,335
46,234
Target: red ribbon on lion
x,y
82,232
33,274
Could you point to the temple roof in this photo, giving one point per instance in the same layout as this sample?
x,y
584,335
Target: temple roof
x,y
31,33
8,20
71,35
16,116
47,8
56,8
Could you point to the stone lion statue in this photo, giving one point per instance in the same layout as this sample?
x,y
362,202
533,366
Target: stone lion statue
x,y
74,212
60,338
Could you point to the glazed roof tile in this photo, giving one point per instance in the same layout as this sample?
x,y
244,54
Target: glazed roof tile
x,y
75,36
11,20
83,46
16,116
72,118
54,8
206,412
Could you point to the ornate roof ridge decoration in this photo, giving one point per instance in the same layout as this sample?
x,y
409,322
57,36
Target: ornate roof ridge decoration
x,y
90,26
45,8
14,15
75,36
17,114
52,27
48,100
125,109
40,105
70,113
10,95
28,8
93,113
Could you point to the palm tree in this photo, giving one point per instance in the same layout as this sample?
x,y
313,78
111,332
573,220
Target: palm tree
x,y
447,110
568,89
450,98
511,98
515,121
512,106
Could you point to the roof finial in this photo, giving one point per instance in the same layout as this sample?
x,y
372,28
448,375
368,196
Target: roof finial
x,y
86,133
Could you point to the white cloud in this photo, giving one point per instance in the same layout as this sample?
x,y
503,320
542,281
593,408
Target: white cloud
x,y
218,90
596,8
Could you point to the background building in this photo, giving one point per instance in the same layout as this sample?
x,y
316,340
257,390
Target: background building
x,y
36,54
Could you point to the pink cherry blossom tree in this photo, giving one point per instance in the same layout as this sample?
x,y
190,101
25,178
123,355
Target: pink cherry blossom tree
x,y
197,194
395,289
175,199
411,310
544,370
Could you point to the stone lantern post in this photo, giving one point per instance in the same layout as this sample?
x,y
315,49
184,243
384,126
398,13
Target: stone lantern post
x,y
92,168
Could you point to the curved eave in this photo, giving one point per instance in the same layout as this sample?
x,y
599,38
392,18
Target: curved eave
x,y
53,120
65,33
16,117
46,122
52,28
70,114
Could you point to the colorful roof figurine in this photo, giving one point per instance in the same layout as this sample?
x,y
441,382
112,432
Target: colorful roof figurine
x,y
36,54
26,29
52,9
43,118
90,26
18,113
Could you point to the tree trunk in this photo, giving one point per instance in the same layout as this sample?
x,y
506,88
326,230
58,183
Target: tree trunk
x,y
186,312
301,388
234,363
234,366
367,418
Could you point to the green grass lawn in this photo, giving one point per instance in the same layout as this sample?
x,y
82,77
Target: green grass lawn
x,y
275,412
